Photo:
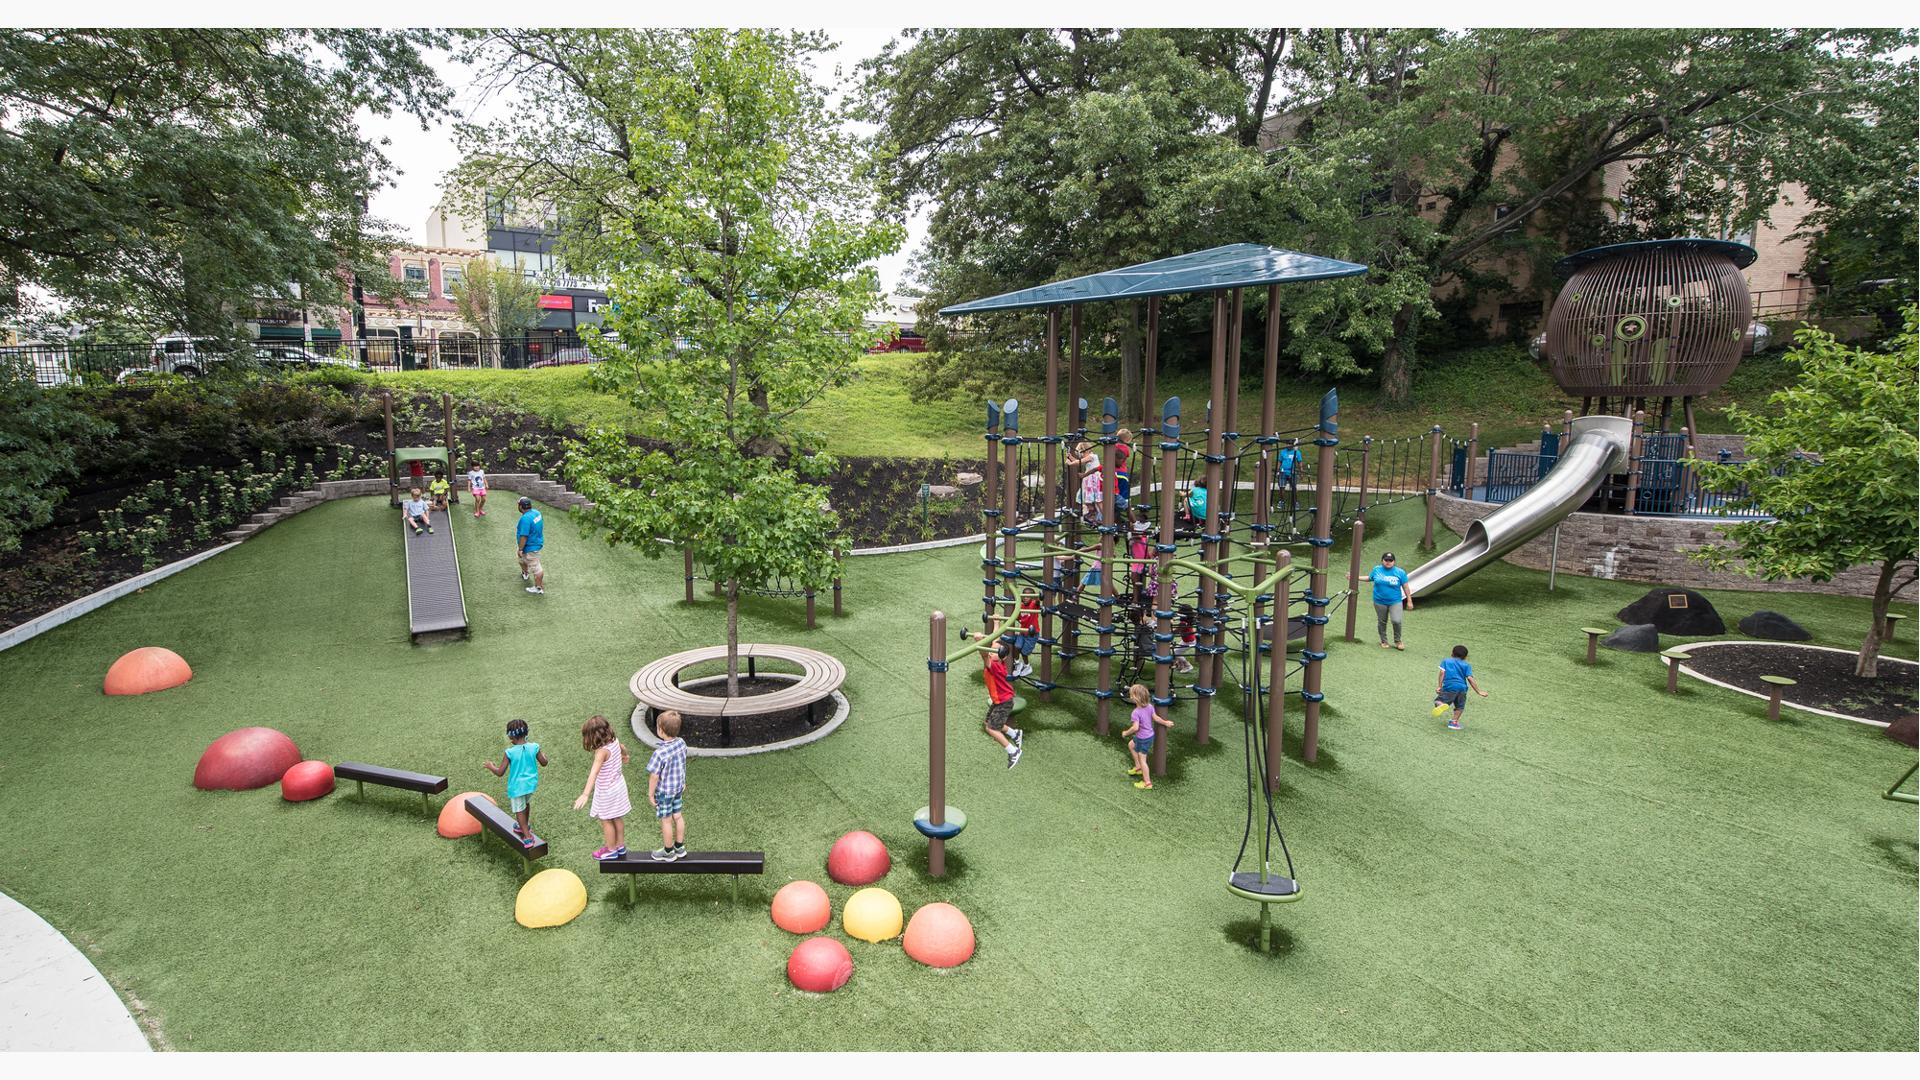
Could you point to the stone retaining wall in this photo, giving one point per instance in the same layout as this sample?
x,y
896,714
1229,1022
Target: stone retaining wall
x,y
1655,550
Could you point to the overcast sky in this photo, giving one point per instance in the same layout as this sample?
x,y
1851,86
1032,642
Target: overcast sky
x,y
423,157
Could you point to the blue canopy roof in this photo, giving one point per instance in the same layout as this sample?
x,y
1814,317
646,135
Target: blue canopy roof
x,y
1232,266
1742,255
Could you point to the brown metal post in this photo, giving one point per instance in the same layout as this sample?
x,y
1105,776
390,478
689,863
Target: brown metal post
x,y
839,585
1229,489
1353,577
1315,650
989,492
809,595
686,558
1433,490
1103,698
1050,505
393,467
1010,510
937,740
446,432
1144,461
1263,469
1076,429
1277,673
1208,679
1169,429
1635,450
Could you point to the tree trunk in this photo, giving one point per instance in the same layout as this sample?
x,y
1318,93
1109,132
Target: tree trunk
x,y
1396,364
1132,344
733,637
1869,663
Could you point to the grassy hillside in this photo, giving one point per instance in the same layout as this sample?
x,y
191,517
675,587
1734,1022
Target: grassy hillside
x,y
1498,387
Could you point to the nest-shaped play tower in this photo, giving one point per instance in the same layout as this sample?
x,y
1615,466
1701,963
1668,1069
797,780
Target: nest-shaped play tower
x,y
1652,319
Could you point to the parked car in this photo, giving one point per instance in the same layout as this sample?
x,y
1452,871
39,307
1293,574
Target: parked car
x,y
565,357
297,356
183,357
904,341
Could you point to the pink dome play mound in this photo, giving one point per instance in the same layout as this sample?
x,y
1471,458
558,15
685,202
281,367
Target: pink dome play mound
x,y
307,780
939,935
802,907
143,671
819,965
455,822
858,858
241,760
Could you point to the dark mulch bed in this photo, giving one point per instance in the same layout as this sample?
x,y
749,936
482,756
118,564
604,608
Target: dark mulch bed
x,y
704,731
1825,680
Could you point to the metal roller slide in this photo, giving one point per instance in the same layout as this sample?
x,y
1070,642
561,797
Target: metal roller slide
x,y
1597,449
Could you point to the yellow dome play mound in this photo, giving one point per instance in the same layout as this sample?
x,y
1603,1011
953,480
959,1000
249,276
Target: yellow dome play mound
x,y
871,915
550,898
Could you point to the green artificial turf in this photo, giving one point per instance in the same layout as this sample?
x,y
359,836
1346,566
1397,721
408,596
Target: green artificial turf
x,y
1591,864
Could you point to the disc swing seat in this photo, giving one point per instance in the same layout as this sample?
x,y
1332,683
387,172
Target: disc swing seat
x,y
1262,885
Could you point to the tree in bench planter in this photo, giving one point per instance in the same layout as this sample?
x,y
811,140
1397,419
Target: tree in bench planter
x,y
752,231
1851,502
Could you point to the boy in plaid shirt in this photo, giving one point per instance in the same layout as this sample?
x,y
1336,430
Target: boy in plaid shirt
x,y
666,784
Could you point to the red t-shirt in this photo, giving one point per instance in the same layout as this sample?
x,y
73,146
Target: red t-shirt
x,y
1030,617
1121,452
998,688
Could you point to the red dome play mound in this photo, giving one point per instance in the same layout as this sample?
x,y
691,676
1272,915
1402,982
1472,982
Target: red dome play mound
x,y
819,965
802,907
858,858
938,935
307,780
241,760
143,671
455,822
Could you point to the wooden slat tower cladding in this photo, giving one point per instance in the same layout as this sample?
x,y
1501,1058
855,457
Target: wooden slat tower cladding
x,y
1647,320
436,605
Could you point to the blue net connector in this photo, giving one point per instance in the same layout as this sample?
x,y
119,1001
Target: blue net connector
x,y
1102,653
1011,440
1266,440
1103,695
1107,530
1167,549
1317,601
1159,614
936,666
1207,612
1174,445
1164,639
990,512
1106,628
1234,435
1010,530
992,562
1106,601
1312,695
1314,620
1012,574
1046,641
1213,459
1211,650
1050,440
1162,658
1210,538
1205,691
1326,442
1311,655
1038,685
1259,528
1068,654
1263,598
1157,700
990,581
1320,541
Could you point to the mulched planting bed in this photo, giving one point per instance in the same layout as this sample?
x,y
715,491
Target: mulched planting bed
x,y
704,731
1823,680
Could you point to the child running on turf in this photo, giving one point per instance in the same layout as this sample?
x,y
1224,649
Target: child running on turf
x,y
1142,733
521,766
667,787
606,786
1456,678
477,486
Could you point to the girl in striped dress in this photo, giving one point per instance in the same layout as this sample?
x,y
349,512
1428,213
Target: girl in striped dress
x,y
606,786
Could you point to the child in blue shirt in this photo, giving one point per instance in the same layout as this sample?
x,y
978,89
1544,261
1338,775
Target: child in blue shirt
x,y
1456,678
521,766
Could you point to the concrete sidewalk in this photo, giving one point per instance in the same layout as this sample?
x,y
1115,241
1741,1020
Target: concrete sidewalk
x,y
51,996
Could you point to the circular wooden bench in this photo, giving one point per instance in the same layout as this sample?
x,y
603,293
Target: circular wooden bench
x,y
657,686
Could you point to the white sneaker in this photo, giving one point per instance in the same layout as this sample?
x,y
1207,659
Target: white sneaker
x,y
528,577
536,590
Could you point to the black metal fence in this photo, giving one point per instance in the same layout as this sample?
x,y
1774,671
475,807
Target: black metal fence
x,y
70,364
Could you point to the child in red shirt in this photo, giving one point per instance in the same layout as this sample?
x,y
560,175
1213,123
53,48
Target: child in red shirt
x,y
1000,702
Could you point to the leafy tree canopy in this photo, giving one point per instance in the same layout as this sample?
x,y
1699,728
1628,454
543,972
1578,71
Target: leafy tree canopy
x,y
1852,501
172,178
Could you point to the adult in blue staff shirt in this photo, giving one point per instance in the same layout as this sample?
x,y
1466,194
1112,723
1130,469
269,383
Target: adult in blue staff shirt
x,y
1289,462
531,536
1391,599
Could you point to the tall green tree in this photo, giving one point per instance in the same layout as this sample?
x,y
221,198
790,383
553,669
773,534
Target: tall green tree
x,y
1048,153
497,301
741,298
175,177
1852,501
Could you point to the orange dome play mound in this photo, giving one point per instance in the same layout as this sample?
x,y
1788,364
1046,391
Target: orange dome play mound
x,y
802,907
244,759
143,671
454,820
938,935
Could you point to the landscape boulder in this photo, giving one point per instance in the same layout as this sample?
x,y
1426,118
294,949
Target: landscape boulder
x,y
1643,637
1905,731
1773,626
1674,611
968,479
942,491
